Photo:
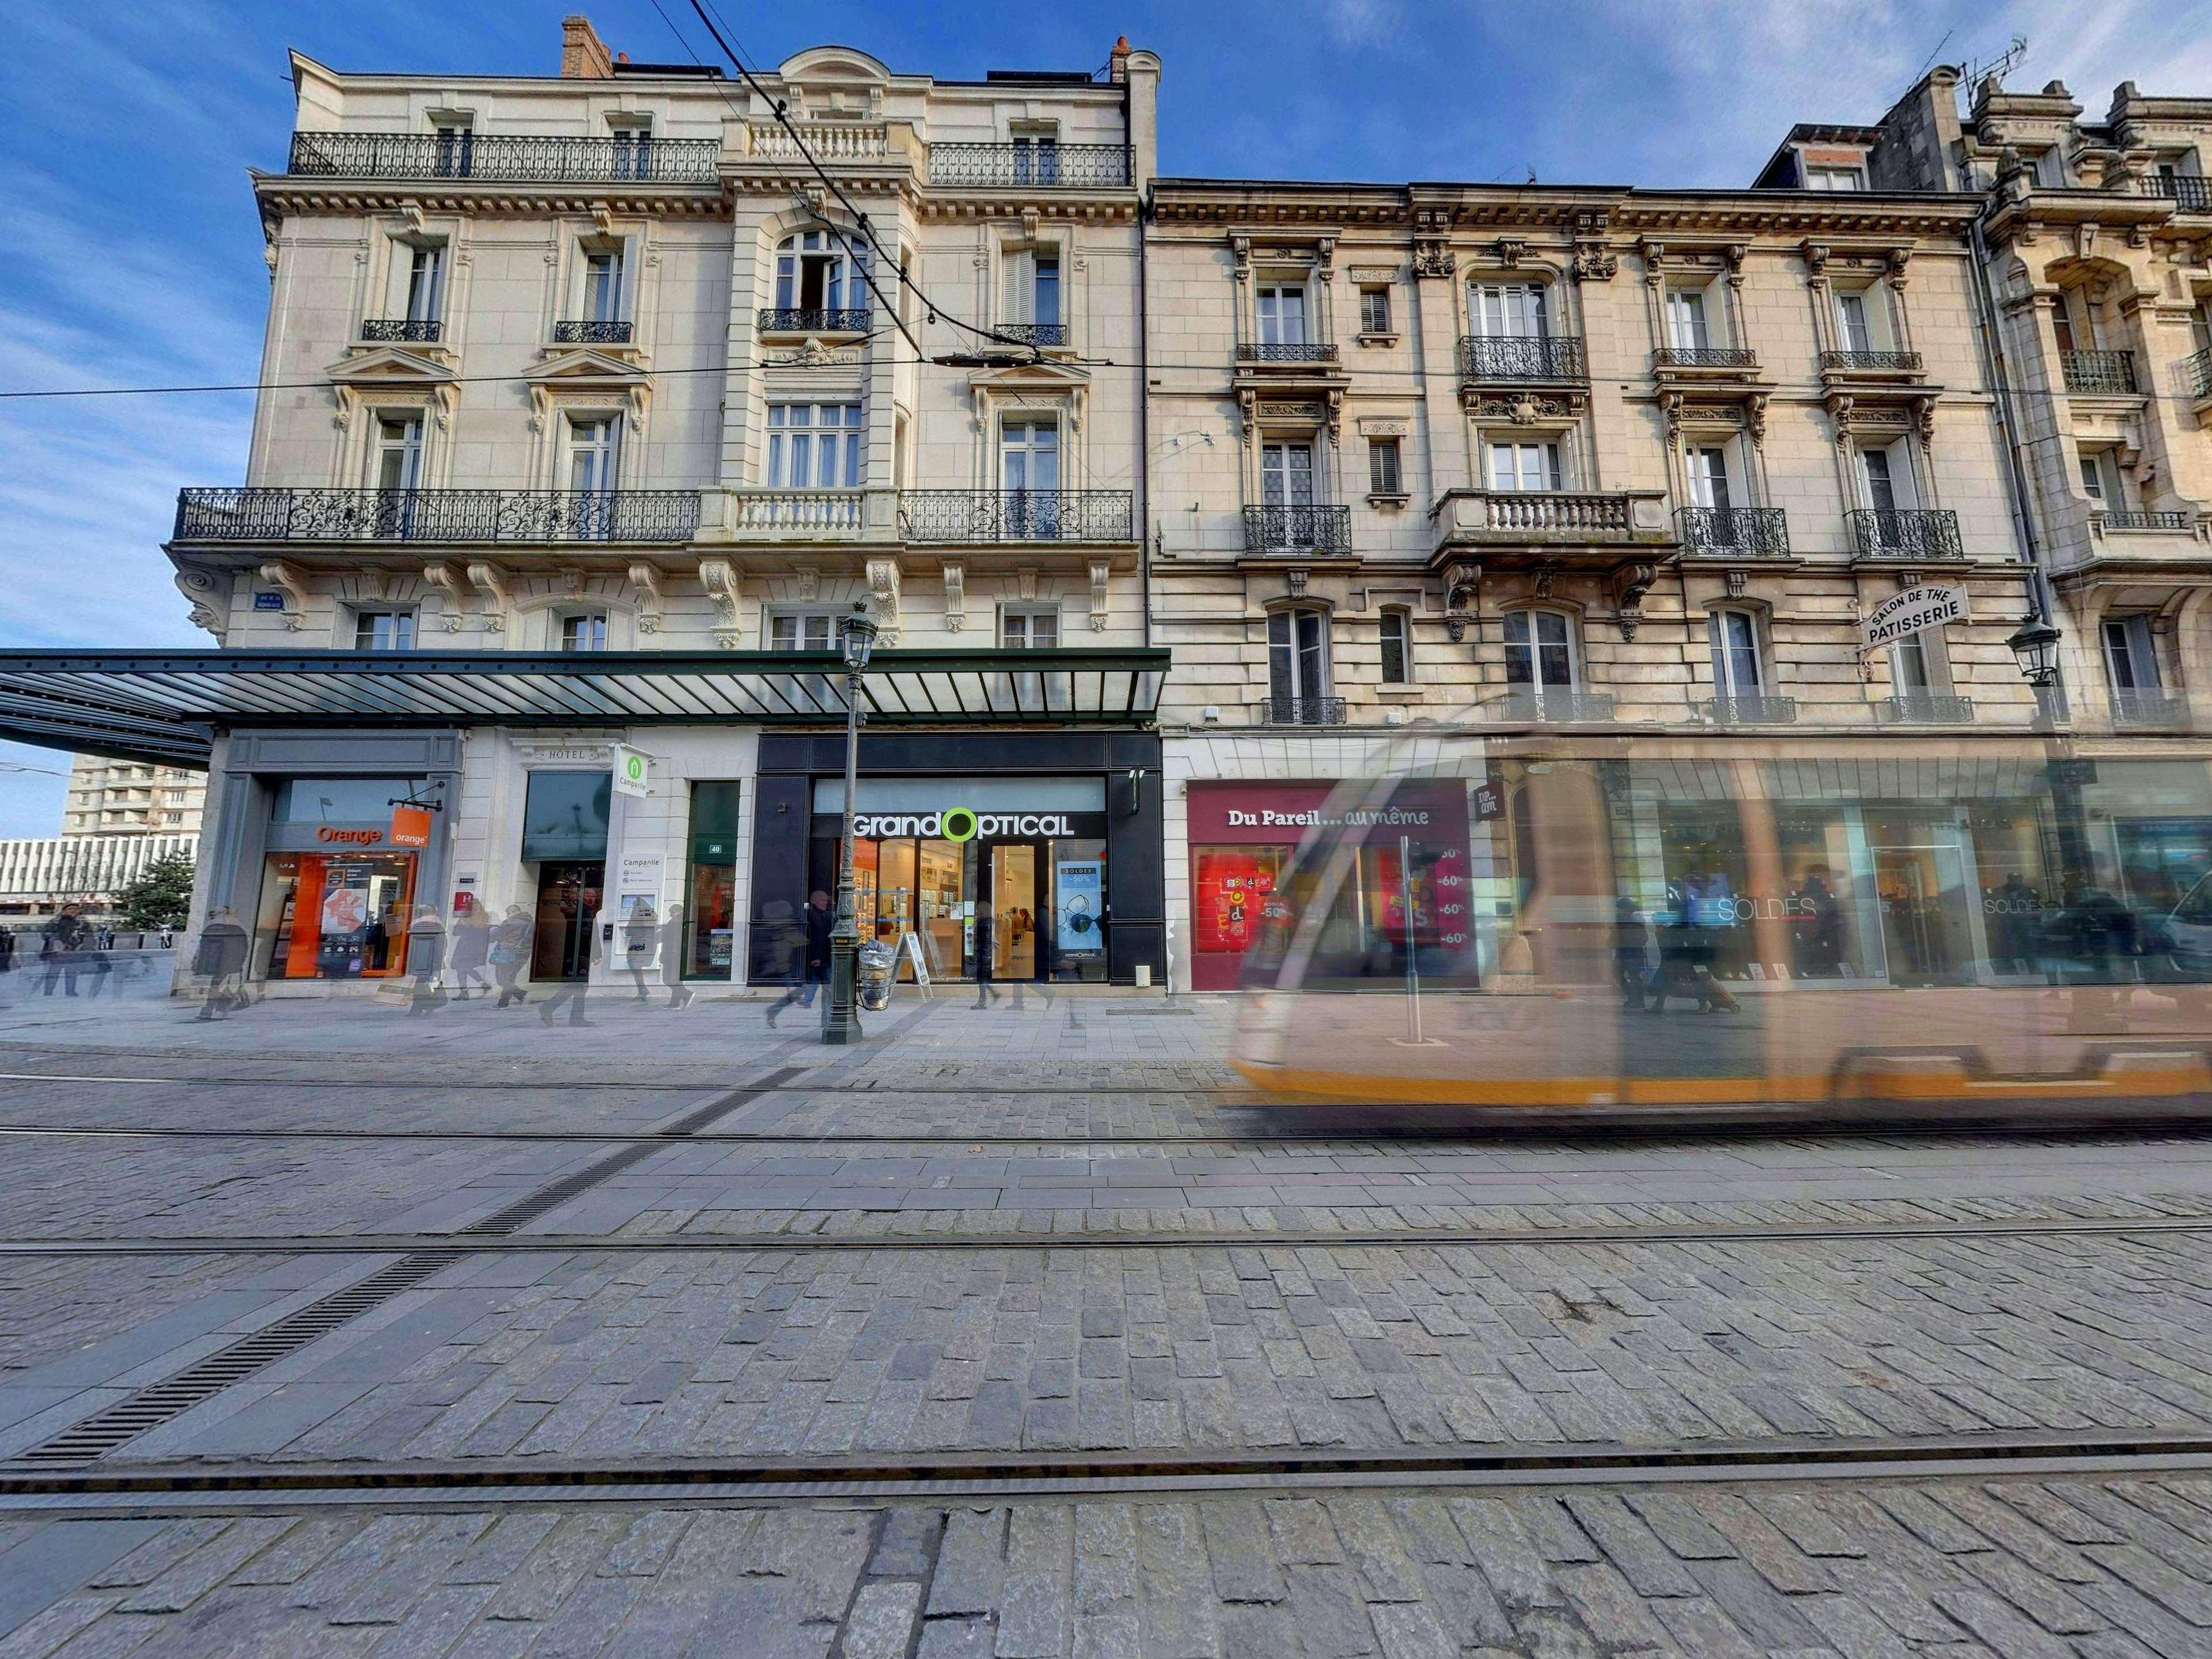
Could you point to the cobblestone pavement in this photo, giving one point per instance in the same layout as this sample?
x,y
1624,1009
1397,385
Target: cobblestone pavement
x,y
2080,1569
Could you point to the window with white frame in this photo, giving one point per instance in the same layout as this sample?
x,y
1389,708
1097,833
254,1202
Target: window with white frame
x,y
816,271
1282,313
1687,329
1526,466
1834,178
816,446
1733,636
1287,473
584,630
1513,310
603,285
2130,656
2100,480
633,147
1029,464
396,461
1031,296
1374,311
1539,654
456,148
1858,321
1029,627
1036,154
1384,475
1911,672
383,630
1709,477
1885,477
594,453
1397,645
426,283
801,630
1297,655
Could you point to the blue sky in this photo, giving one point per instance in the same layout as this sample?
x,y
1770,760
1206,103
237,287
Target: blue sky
x,y
137,252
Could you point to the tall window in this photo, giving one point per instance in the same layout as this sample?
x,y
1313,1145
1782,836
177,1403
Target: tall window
x,y
2095,484
807,630
1032,288
1908,667
1508,310
815,447
1854,327
1709,478
1526,466
1538,653
398,451
814,271
1397,645
1297,656
1030,459
587,630
1286,474
456,149
1383,475
594,452
425,280
1282,315
1881,480
1685,319
603,287
2130,659
1030,630
1736,654
1374,311
383,630
633,150
1036,158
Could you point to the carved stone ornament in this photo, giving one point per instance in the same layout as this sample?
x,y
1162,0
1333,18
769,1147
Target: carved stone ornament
x,y
1383,426
810,584
1433,258
1545,575
1737,580
287,580
1100,570
813,354
1816,257
1301,412
956,595
718,577
491,581
201,590
1595,263
1630,584
646,580
1463,583
1298,584
1924,420
1025,580
1754,417
1376,274
447,581
1524,408
1510,252
884,590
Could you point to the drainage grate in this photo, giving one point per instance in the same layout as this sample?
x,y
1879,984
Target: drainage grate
x,y
149,1407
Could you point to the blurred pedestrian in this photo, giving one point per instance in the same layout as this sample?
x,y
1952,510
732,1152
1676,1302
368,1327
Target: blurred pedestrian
x,y
470,943
577,992
426,955
222,960
783,953
985,991
510,954
641,932
672,960
62,943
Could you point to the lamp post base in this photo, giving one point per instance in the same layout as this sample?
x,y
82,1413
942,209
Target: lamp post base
x,y
841,1026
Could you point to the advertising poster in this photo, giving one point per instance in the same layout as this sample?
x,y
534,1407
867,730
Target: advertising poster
x,y
637,882
1082,928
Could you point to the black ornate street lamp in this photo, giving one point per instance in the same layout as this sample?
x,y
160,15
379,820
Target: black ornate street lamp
x,y
856,637
2035,648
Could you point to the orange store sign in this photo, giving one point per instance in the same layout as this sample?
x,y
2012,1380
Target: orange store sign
x,y
410,826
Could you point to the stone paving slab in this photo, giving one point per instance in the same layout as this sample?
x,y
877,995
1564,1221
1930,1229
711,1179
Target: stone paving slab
x,y
2083,1569
661,1356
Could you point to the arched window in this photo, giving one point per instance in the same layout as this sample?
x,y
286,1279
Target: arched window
x,y
816,270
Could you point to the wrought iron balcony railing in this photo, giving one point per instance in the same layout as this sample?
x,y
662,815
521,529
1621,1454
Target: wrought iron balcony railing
x,y
801,511
2196,371
1048,166
1302,711
1872,363
586,331
1753,710
409,331
1017,515
1277,352
1885,532
2181,521
2188,193
1512,358
2142,706
1036,334
1527,705
1739,532
1706,357
2098,371
1297,529
436,515
506,158
1925,708
813,319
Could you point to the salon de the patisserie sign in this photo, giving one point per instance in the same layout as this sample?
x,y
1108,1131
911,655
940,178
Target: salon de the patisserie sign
x,y
1908,612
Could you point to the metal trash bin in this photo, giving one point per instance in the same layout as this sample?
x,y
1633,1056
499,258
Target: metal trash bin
x,y
875,966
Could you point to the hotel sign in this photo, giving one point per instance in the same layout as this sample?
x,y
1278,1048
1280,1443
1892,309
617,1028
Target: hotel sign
x,y
1908,612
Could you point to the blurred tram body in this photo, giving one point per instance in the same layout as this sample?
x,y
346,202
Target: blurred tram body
x,y
1901,930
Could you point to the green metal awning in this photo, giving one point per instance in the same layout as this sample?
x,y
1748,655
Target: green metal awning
x,y
166,706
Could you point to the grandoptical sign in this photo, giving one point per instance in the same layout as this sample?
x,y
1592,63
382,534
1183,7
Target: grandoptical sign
x,y
965,823
1908,612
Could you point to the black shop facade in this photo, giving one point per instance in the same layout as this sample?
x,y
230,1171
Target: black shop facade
x,y
1055,836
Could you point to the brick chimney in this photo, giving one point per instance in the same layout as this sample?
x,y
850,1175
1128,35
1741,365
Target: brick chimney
x,y
1120,61
584,56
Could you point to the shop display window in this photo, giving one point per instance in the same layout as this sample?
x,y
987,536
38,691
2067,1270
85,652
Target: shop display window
x,y
1713,901
710,889
325,916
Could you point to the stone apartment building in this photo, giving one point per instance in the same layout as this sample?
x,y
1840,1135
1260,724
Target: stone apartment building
x,y
132,797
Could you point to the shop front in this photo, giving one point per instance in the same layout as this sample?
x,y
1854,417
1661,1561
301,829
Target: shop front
x,y
1041,847
1399,889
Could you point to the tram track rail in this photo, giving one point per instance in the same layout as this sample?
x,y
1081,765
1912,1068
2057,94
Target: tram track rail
x,y
147,1486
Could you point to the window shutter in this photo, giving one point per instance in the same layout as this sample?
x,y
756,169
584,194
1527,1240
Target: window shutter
x,y
1018,290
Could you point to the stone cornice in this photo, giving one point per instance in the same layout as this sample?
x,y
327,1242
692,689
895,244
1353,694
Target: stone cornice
x,y
280,194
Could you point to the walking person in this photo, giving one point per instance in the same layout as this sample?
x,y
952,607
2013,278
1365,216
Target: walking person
x,y
426,955
673,959
221,960
471,947
510,954
61,948
986,992
814,942
577,992
97,962
641,932
7,962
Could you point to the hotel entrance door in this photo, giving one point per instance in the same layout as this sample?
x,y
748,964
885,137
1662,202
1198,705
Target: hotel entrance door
x,y
568,897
